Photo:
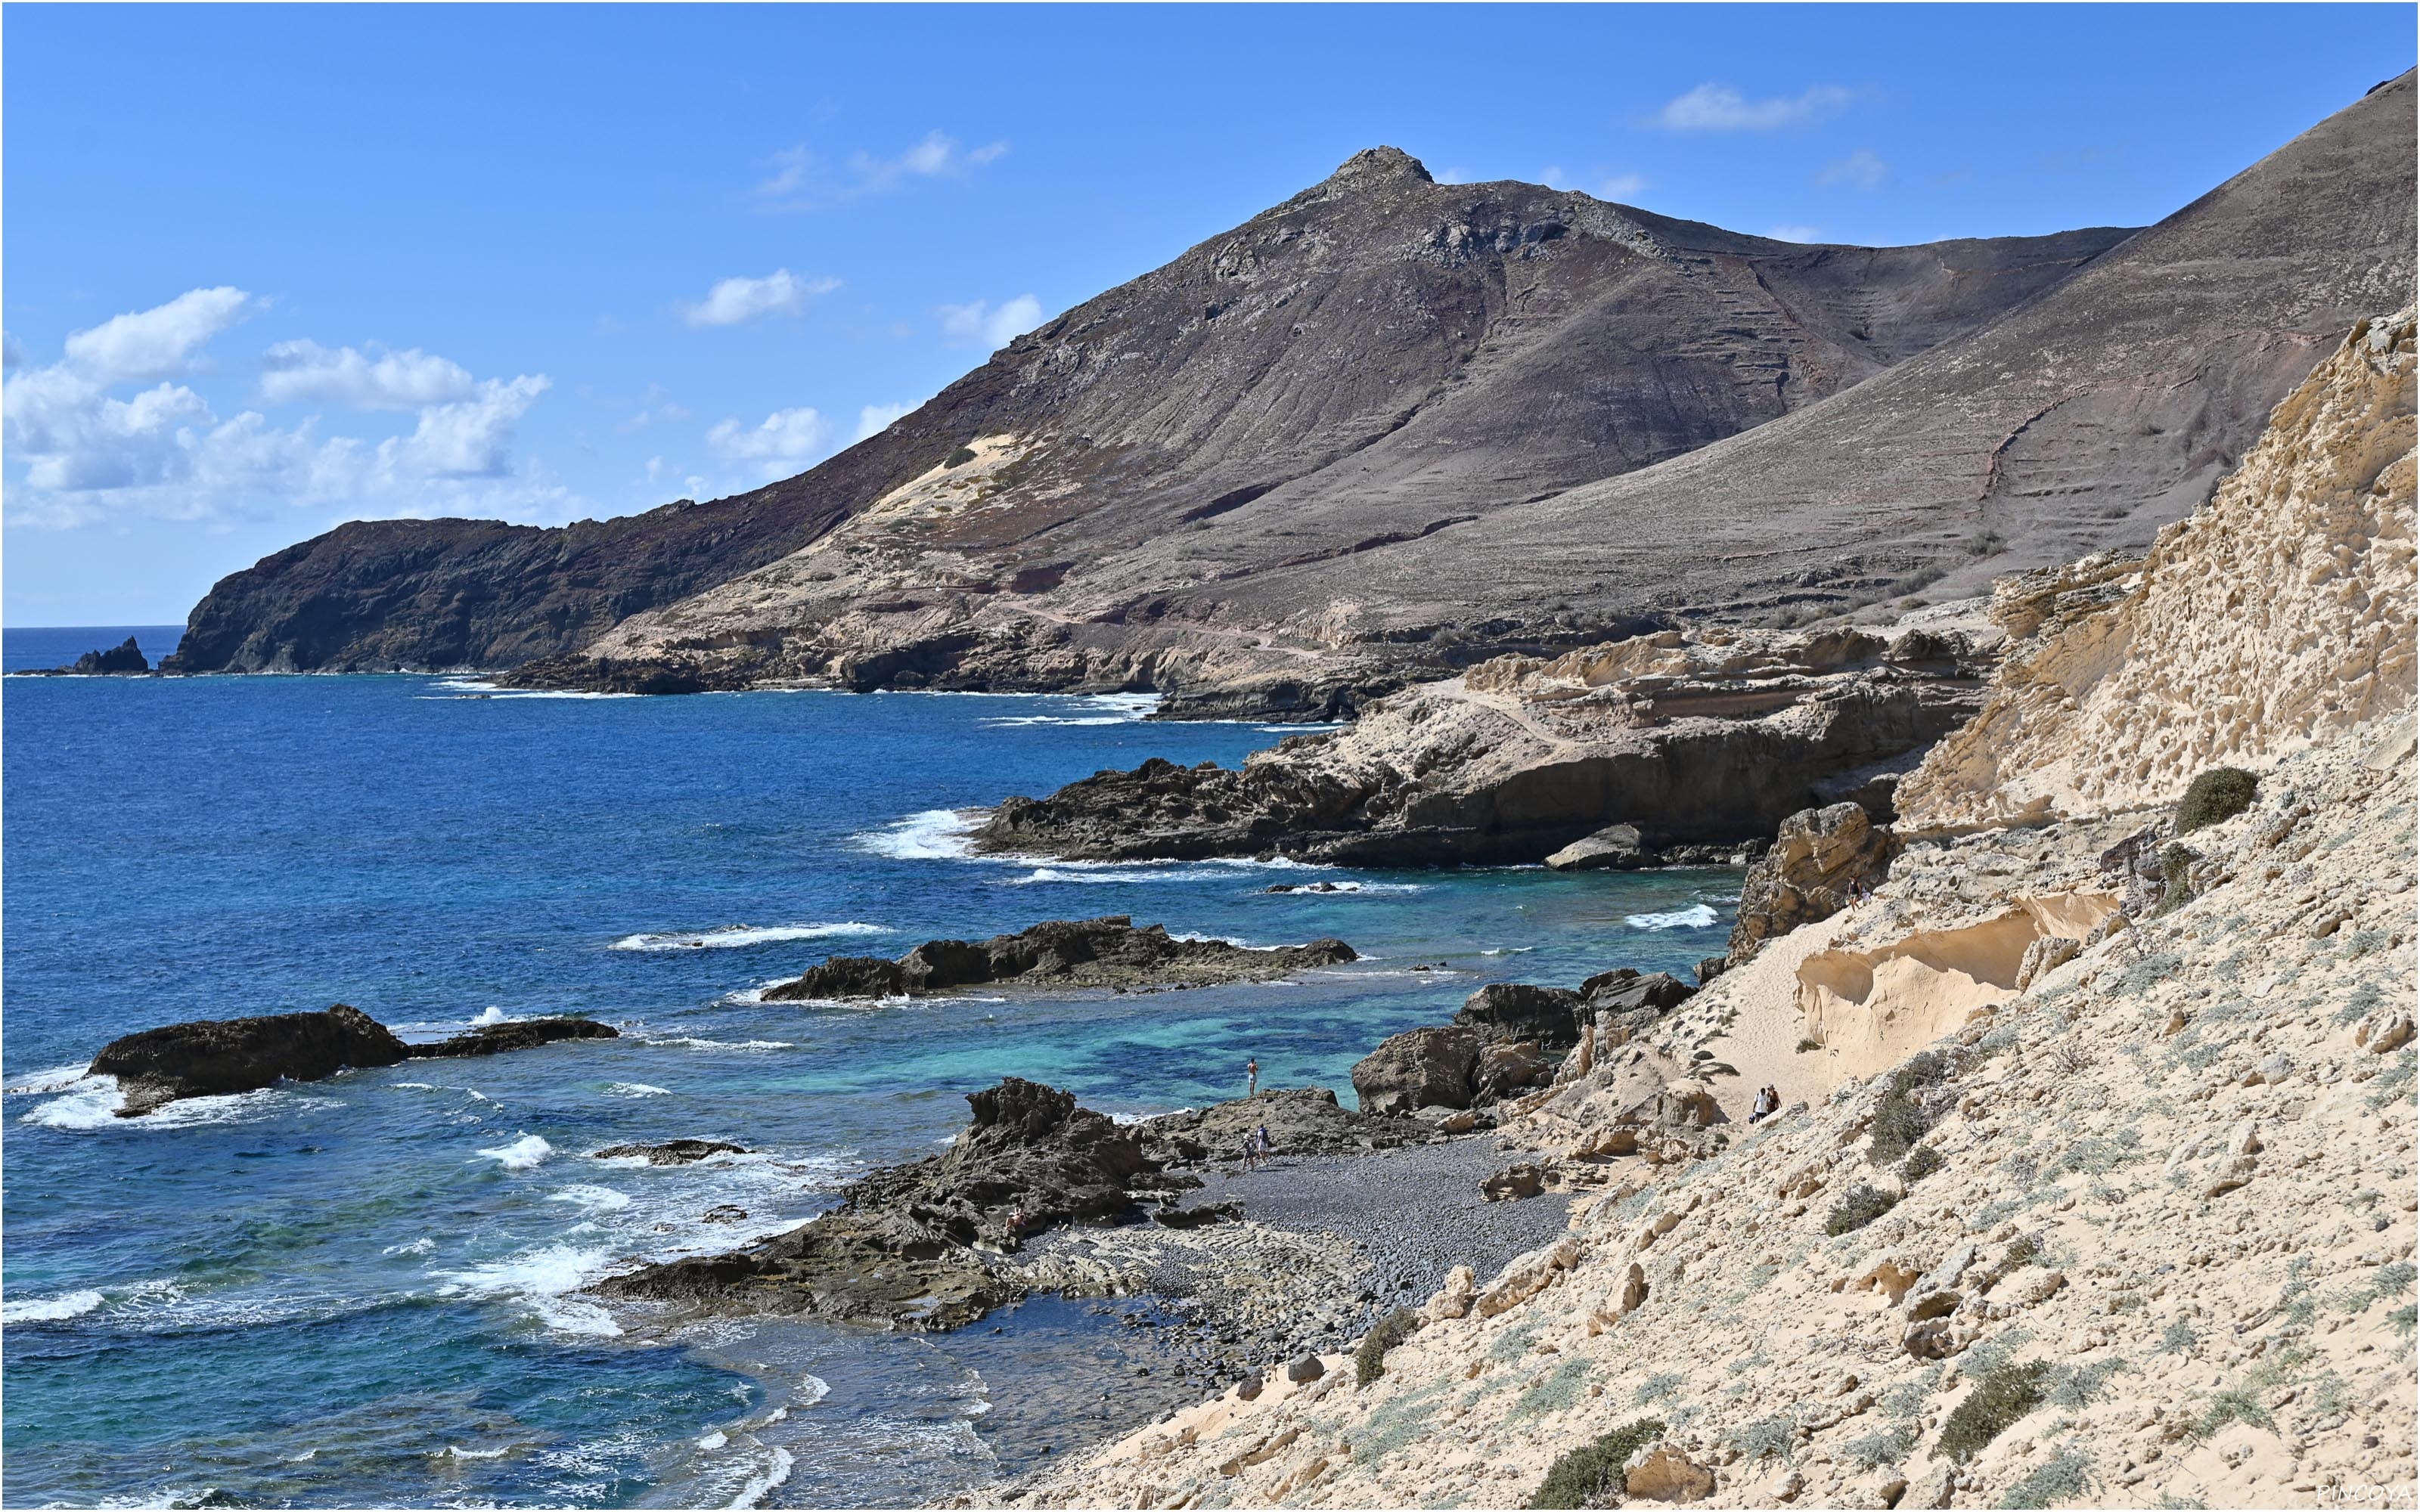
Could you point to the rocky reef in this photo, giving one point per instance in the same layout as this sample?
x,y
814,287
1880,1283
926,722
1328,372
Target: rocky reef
x,y
1109,952
916,1246
212,1057
1706,738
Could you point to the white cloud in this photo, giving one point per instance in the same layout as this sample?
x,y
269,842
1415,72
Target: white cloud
x,y
471,438
89,456
1715,107
1453,176
1554,179
780,446
876,418
737,300
159,342
803,181
1790,232
1621,185
305,372
992,326
1860,169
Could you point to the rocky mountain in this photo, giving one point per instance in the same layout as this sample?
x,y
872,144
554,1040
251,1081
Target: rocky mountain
x,y
1391,427
1380,350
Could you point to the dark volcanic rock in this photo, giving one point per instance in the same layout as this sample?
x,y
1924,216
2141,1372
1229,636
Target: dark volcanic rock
x,y
1657,993
1418,1068
670,1152
1819,859
124,657
1093,952
900,1248
215,1057
523,1034
1508,1010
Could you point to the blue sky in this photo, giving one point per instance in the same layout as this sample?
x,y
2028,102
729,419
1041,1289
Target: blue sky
x,y
270,268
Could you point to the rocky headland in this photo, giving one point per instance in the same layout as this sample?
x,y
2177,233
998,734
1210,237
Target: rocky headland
x,y
2093,1178
213,1057
1109,953
1705,738
124,658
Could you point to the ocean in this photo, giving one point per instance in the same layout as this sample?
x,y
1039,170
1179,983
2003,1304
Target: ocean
x,y
366,1290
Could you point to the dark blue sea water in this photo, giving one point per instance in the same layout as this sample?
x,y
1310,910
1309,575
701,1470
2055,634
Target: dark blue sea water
x,y
365,1290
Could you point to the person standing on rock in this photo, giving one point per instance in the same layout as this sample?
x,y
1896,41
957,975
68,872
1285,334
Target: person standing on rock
x,y
1251,1076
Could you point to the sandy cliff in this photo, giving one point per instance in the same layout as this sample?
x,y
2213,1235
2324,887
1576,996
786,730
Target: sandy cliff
x,y
2135,1227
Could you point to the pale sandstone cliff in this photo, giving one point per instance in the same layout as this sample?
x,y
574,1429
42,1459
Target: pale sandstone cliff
x,y
2282,610
2164,1252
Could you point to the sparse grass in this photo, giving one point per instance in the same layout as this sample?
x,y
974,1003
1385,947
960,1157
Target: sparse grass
x,y
1370,1358
2082,1387
2002,1396
1590,1471
2215,796
2065,1476
1657,1388
1398,1424
1557,1393
1860,1206
1776,1435
2178,1336
1888,1446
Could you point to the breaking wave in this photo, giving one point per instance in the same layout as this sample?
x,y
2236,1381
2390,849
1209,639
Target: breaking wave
x,y
1697,915
736,937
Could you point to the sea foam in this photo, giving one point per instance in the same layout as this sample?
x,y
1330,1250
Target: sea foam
x,y
934,835
522,1154
49,1309
739,936
1697,915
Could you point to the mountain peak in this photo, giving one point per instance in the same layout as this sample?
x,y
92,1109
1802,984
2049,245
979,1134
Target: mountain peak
x,y
1377,164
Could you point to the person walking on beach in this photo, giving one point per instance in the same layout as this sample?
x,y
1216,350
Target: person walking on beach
x,y
1260,1143
1251,1076
1249,1152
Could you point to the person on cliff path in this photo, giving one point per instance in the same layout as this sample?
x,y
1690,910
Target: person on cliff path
x,y
1252,1077
1767,1100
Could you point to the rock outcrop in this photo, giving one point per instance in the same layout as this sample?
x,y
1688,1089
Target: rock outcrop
x,y
212,1057
1301,1121
1714,736
1511,1038
1819,859
907,1245
668,1152
519,1034
2280,614
1093,952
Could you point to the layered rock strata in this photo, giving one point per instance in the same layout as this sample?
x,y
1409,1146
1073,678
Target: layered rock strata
x,y
1109,952
1706,737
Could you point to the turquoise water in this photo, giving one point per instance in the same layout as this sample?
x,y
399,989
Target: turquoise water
x,y
366,1290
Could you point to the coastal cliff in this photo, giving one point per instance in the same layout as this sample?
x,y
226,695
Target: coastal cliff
x,y
2086,1184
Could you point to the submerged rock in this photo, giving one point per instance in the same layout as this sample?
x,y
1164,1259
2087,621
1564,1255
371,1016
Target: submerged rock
x,y
671,1152
212,1057
1095,952
521,1034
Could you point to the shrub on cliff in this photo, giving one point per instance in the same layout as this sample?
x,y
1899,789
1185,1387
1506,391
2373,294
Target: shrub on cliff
x,y
2218,794
1901,1118
1861,1205
1588,1473
2006,1394
1921,1162
1370,1359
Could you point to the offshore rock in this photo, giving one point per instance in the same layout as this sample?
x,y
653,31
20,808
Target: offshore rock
x,y
1614,848
1819,856
215,1057
1094,953
670,1152
901,1247
521,1034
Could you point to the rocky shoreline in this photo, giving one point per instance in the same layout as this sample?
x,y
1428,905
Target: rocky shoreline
x,y
1106,952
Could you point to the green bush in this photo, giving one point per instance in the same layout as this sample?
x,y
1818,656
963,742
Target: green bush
x,y
960,457
2218,794
2006,1394
1899,1118
1370,1359
1921,1162
1588,1472
1861,1205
